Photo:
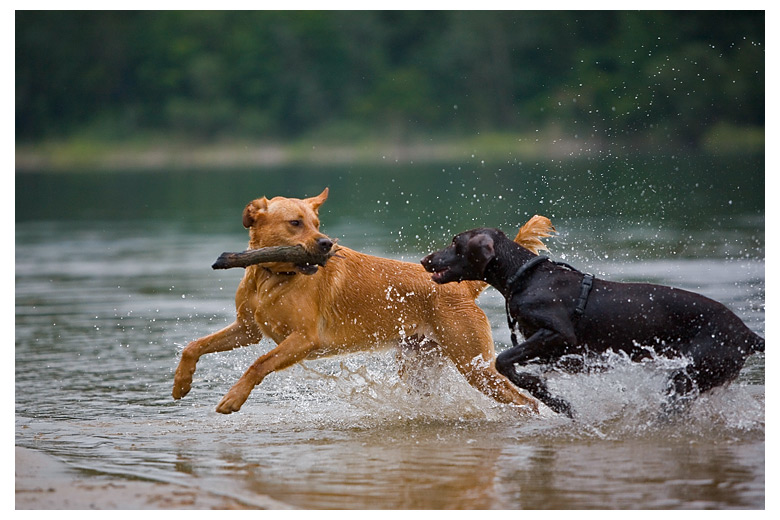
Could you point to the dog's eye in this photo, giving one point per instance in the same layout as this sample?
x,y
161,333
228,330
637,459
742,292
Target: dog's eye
x,y
295,223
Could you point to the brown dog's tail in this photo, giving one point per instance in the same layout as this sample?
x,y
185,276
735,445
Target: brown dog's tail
x,y
533,231
529,236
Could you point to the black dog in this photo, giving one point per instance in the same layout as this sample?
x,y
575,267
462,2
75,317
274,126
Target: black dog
x,y
560,312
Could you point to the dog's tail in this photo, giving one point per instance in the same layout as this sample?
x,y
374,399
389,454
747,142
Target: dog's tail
x,y
529,236
533,231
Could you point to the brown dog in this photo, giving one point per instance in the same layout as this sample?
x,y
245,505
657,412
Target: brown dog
x,y
356,302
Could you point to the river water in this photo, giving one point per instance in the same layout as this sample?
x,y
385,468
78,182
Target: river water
x,y
113,278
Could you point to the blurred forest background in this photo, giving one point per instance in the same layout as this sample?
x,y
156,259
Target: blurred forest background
x,y
572,81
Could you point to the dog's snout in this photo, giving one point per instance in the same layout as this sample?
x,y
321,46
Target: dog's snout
x,y
427,262
325,244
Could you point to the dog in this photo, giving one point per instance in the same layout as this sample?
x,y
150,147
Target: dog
x,y
354,303
561,311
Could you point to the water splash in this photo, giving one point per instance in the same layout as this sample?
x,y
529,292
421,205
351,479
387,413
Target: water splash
x,y
613,398
617,398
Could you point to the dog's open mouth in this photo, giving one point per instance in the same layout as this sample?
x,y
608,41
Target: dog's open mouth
x,y
439,274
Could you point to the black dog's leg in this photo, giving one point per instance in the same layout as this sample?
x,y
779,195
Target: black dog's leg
x,y
714,361
545,345
538,388
680,391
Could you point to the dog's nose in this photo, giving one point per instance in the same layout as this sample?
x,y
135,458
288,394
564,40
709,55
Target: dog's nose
x,y
324,244
426,262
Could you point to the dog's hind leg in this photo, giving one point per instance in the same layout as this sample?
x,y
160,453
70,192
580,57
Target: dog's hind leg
x,y
490,382
238,334
417,356
681,390
716,358
469,345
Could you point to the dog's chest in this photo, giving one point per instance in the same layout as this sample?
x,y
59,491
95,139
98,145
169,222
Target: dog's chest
x,y
281,307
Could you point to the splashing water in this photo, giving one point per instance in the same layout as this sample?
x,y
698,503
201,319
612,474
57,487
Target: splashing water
x,y
613,397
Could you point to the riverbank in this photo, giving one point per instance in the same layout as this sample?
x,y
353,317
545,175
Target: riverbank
x,y
45,482
76,154
166,153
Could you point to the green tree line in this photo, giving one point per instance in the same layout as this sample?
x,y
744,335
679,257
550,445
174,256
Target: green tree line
x,y
346,75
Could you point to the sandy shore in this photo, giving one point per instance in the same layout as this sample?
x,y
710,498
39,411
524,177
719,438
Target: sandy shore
x,y
45,482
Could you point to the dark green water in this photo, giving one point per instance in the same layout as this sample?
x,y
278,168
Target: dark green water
x,y
113,278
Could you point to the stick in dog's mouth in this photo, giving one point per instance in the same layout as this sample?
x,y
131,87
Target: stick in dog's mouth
x,y
299,256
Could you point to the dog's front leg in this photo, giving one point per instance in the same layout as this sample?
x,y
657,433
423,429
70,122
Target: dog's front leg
x,y
293,349
545,345
537,387
238,334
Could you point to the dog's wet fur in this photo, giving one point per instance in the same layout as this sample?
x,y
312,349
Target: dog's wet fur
x,y
355,302
638,319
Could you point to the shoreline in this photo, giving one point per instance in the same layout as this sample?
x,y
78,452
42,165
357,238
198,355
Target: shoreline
x,y
172,153
45,482
64,156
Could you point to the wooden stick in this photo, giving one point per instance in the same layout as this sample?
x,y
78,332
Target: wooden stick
x,y
294,254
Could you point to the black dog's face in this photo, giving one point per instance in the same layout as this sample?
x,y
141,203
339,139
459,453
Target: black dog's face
x,y
465,259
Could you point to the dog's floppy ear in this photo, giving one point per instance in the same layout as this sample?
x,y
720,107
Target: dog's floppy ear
x,y
480,251
253,209
317,201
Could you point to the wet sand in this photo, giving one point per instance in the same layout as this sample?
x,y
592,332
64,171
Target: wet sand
x,y
45,482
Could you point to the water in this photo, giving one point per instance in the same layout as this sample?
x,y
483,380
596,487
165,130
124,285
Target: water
x,y
113,278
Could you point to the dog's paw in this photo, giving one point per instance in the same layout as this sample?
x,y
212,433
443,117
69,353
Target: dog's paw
x,y
182,380
232,401
560,406
181,388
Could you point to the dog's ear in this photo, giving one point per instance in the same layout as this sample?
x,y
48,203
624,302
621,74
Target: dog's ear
x,y
480,251
317,201
253,210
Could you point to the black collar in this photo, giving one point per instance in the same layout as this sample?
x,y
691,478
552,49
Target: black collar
x,y
582,300
526,267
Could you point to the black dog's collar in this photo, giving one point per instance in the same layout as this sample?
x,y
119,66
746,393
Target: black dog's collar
x,y
582,300
524,269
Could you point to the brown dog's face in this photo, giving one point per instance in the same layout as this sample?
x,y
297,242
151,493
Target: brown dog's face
x,y
282,221
465,259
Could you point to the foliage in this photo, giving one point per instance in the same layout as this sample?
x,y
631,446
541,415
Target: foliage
x,y
278,75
